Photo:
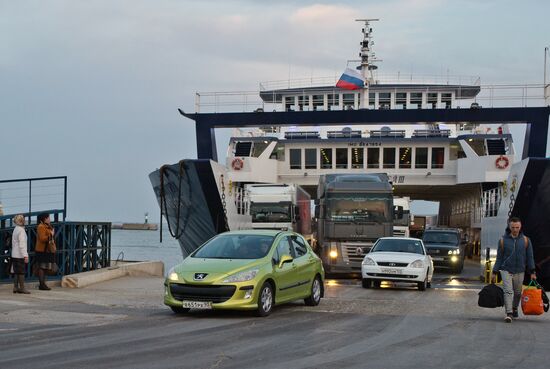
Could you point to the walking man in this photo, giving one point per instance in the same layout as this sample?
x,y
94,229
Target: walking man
x,y
514,256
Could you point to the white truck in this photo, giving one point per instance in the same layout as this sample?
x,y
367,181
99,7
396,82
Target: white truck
x,y
280,206
401,226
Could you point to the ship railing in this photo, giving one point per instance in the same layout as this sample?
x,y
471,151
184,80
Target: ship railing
x,y
378,78
489,96
395,133
431,133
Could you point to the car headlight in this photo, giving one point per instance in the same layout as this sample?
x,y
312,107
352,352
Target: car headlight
x,y
368,261
417,264
454,252
172,275
242,276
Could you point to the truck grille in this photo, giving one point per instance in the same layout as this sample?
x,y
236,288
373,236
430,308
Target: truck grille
x,y
399,232
212,293
355,252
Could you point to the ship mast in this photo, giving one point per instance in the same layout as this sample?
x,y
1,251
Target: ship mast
x,y
368,58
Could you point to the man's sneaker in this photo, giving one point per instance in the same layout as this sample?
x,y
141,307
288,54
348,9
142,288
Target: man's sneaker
x,y
515,313
508,318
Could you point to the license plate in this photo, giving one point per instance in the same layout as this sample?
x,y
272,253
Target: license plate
x,y
391,271
437,258
197,304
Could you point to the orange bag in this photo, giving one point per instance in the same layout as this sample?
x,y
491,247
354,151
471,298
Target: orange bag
x,y
531,300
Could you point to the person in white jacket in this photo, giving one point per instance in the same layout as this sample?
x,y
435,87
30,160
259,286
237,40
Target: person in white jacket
x,y
19,255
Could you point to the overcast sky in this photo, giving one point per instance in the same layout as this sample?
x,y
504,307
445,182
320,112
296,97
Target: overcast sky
x,y
90,89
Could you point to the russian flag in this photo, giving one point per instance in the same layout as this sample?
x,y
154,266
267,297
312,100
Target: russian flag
x,y
351,80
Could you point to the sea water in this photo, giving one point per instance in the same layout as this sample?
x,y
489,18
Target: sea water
x,y
145,245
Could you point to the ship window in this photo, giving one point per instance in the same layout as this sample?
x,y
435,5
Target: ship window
x,y
372,100
446,98
326,158
303,102
289,103
432,100
405,154
384,100
478,147
333,101
389,157
438,157
416,100
348,101
357,158
311,158
456,152
259,147
421,159
342,158
318,102
278,153
373,157
401,100
295,158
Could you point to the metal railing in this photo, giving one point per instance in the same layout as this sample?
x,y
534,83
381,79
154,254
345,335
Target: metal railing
x,y
491,95
81,246
32,196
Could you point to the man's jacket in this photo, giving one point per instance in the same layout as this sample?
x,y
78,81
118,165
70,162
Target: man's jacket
x,y
513,255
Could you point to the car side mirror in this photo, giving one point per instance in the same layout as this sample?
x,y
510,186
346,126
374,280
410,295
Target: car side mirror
x,y
285,259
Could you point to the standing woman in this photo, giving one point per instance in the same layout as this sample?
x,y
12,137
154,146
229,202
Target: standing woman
x,y
19,255
45,249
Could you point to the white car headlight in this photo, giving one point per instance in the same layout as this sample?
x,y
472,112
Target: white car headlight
x,y
368,261
417,264
454,252
242,276
172,275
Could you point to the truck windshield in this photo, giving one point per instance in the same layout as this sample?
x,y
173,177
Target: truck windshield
x,y
269,212
358,207
405,221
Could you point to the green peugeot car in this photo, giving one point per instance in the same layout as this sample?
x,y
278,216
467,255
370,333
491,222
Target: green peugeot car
x,y
246,270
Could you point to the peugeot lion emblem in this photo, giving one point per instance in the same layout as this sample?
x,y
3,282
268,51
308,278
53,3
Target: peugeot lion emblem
x,y
200,276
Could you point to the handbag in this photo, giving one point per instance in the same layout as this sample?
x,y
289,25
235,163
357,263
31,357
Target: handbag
x,y
531,299
50,247
491,296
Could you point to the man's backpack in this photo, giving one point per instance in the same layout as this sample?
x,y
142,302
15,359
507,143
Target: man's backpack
x,y
491,296
525,241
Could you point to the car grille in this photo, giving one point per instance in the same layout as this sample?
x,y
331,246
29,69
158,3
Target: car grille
x,y
212,293
391,264
408,276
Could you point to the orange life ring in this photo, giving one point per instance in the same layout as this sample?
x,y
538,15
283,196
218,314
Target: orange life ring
x,y
502,162
237,164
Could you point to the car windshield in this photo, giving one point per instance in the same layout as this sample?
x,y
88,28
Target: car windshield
x,y
398,245
440,237
235,246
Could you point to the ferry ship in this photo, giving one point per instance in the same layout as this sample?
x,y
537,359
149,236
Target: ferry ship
x,y
461,164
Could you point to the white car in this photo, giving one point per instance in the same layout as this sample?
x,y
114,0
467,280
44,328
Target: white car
x,y
399,259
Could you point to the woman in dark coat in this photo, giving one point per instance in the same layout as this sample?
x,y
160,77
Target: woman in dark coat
x,y
45,249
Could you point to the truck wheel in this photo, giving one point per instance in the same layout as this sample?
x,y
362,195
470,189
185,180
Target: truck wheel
x,y
366,283
315,297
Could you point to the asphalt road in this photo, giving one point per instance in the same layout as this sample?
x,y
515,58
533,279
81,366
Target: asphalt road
x,y
123,324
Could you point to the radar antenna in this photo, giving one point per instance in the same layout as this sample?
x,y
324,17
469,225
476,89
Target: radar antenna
x,y
368,57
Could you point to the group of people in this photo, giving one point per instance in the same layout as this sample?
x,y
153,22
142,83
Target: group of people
x,y
45,249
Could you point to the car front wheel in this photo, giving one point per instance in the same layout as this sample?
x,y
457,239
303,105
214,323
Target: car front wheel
x,y
423,285
315,297
265,300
